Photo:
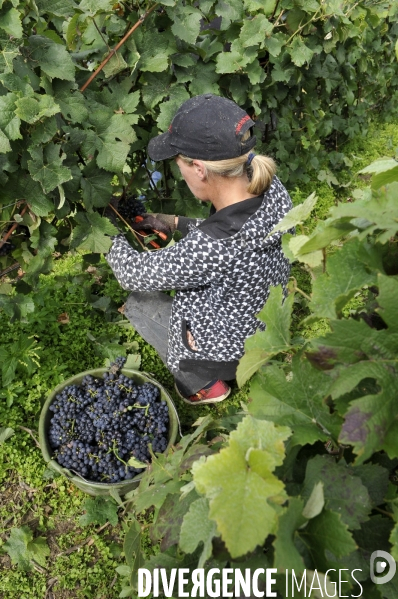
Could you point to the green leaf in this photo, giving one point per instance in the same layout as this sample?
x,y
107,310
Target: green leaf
x,y
5,433
298,402
276,337
186,23
53,58
286,553
198,528
92,7
59,8
358,352
169,520
96,186
254,30
9,121
155,88
10,21
235,485
4,143
90,233
342,490
274,44
132,543
114,65
155,494
32,109
24,188
327,533
133,361
299,52
296,215
373,212
347,271
169,108
7,55
99,510
46,167
136,463
315,502
21,548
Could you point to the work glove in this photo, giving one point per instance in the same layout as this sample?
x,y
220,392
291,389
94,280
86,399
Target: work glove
x,y
164,223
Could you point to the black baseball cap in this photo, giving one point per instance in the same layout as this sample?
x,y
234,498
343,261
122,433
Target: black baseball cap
x,y
206,127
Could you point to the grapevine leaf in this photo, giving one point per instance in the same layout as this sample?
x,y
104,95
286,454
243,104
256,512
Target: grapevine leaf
x,y
276,337
344,493
99,510
22,548
39,550
170,518
132,543
347,271
358,352
156,494
234,487
299,402
327,533
373,212
7,55
32,109
286,553
299,52
71,103
96,186
169,108
155,88
92,7
59,8
274,44
186,24
315,502
254,30
10,21
296,215
4,143
375,478
46,167
24,188
9,121
114,65
91,231
198,528
5,433
53,58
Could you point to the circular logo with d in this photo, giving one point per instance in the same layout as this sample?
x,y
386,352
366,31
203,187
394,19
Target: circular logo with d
x,y
379,560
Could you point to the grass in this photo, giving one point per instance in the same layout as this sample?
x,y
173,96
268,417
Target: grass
x,y
82,560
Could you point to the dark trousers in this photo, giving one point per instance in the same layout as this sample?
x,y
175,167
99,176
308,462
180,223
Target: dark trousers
x,y
149,313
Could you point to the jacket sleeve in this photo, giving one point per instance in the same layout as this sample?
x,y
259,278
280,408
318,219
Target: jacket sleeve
x,y
194,261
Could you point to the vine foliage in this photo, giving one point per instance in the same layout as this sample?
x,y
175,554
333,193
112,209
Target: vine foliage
x,y
309,72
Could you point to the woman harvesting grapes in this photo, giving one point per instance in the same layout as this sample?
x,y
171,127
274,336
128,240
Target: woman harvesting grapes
x,y
223,266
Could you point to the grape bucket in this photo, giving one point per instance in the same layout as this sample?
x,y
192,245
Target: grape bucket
x,y
93,487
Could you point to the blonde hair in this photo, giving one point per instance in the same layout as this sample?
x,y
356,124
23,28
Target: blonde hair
x,y
259,172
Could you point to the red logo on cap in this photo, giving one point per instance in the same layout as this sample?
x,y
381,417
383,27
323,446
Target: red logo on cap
x,y
170,128
242,121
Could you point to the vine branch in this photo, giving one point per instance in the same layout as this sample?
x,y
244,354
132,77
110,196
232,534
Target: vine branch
x,y
116,48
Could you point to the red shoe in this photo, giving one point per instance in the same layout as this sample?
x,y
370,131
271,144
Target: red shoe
x,y
212,393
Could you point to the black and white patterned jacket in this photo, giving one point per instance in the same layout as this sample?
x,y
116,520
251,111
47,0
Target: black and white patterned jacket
x,y
221,284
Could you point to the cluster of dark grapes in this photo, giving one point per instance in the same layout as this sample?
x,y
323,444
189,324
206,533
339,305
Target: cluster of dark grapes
x,y
131,207
99,425
6,248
